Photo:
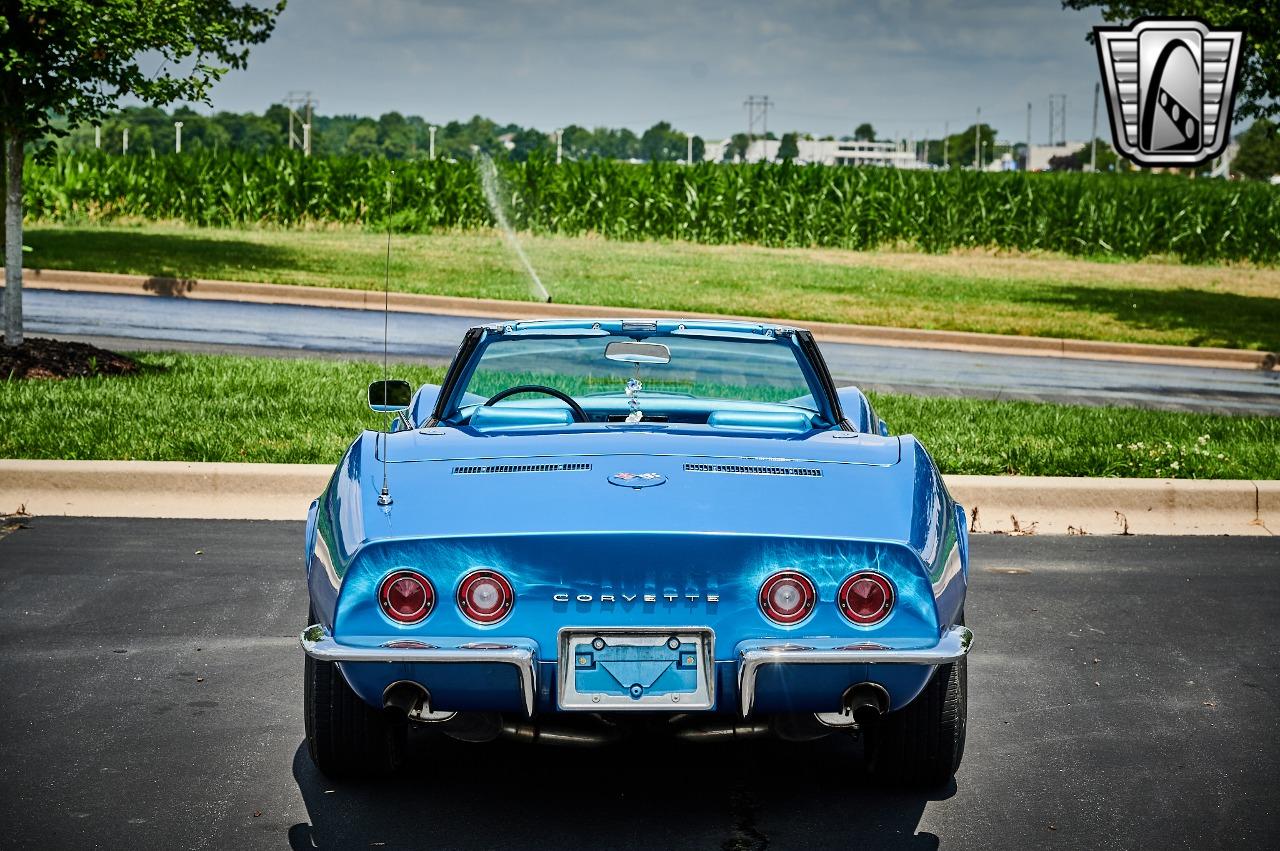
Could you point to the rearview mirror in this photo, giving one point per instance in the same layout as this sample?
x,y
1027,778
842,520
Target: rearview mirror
x,y
390,397
628,351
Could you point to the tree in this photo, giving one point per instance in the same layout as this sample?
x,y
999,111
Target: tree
x,y
1259,155
699,149
959,147
660,143
76,58
864,132
1106,157
1067,162
1259,95
737,147
789,149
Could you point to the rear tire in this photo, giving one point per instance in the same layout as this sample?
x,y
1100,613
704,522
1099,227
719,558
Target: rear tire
x,y
922,743
346,736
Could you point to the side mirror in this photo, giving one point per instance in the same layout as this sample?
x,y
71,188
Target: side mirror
x,y
390,397
884,428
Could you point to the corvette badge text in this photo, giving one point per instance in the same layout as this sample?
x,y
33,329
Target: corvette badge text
x,y
1170,89
647,599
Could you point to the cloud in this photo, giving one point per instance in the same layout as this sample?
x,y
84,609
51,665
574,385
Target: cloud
x,y
829,64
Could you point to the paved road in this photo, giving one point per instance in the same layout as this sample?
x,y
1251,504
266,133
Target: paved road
x,y
122,320
1124,693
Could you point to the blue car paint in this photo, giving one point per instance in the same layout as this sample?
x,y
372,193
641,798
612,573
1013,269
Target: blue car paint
x,y
878,503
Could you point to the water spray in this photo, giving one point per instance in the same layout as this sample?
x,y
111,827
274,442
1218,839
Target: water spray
x,y
491,182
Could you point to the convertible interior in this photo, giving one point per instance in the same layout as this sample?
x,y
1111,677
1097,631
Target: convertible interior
x,y
530,411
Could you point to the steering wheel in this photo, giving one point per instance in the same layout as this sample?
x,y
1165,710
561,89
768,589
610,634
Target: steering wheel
x,y
579,415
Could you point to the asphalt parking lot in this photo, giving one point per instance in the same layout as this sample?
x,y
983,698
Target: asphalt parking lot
x,y
1124,693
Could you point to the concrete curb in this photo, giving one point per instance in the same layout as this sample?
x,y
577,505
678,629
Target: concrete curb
x,y
1003,504
103,282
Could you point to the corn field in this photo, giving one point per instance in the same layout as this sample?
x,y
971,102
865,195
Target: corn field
x,y
781,205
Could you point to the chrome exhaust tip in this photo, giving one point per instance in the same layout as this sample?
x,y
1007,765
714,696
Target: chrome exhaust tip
x,y
861,705
414,701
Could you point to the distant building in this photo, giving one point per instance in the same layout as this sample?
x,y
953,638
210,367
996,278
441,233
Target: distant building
x,y
889,154
1041,154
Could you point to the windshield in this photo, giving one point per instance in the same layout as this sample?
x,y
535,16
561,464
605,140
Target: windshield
x,y
700,370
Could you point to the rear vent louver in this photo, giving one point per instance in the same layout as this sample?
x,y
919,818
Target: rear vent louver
x,y
752,471
522,468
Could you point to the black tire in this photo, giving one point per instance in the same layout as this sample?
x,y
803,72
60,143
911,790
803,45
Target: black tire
x,y
346,736
922,743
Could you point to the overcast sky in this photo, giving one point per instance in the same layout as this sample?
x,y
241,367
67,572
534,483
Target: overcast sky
x,y
907,66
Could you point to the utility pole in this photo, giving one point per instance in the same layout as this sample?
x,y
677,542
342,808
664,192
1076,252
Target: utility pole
x,y
977,142
689,148
177,137
97,136
946,144
124,141
1093,137
306,139
432,131
559,145
1026,157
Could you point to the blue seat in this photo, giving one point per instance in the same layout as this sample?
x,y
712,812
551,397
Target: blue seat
x,y
488,417
757,420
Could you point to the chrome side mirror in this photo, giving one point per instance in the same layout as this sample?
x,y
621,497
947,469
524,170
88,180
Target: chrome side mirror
x,y
390,397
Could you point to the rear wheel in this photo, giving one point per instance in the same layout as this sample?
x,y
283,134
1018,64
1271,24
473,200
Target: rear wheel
x,y
346,736
922,743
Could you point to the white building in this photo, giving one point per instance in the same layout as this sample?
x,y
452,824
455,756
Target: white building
x,y
1041,154
891,154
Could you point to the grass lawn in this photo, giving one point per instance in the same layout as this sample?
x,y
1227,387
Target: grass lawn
x,y
1150,302
220,408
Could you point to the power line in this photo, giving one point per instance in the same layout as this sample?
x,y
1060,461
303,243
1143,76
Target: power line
x,y
1057,119
307,103
757,110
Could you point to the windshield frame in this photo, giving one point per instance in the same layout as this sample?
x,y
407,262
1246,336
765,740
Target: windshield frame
x,y
479,338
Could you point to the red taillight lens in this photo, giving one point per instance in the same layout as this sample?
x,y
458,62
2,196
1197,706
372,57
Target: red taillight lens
x,y
866,598
406,597
485,596
787,597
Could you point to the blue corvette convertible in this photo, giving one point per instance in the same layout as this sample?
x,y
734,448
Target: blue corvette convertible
x,y
597,528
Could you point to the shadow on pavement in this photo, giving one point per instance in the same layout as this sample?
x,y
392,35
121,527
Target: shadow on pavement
x,y
646,794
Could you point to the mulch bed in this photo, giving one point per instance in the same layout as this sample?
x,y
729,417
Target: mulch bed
x,y
41,358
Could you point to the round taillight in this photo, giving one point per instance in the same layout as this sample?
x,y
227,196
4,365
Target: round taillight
x,y
485,596
787,597
866,598
406,597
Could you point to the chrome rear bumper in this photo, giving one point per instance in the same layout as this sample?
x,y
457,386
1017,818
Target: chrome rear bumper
x,y
752,655
320,645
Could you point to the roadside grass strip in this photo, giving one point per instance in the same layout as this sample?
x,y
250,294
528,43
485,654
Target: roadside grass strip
x,y
184,407
1042,296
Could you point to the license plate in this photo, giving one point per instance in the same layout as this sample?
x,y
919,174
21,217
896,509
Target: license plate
x,y
616,669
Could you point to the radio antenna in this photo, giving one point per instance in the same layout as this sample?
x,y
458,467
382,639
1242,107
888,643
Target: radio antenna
x,y
384,497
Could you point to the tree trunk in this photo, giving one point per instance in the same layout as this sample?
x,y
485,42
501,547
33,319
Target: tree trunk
x,y
13,240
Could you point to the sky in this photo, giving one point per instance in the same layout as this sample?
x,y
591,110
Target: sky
x,y
909,67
